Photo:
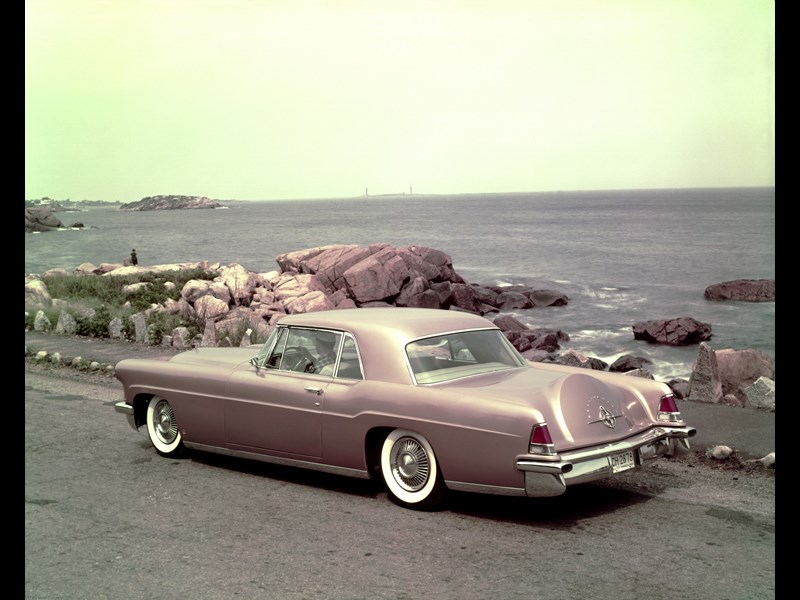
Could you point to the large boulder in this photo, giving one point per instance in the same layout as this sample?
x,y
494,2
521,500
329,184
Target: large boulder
x,y
739,369
434,265
41,219
727,376
681,331
510,297
380,277
239,281
462,296
628,362
293,285
36,294
209,308
331,263
547,297
571,358
761,394
310,302
745,290
704,383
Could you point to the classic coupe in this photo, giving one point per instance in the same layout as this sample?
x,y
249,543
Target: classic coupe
x,y
428,400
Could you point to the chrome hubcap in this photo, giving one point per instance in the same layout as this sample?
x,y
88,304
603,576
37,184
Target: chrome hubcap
x,y
410,464
164,423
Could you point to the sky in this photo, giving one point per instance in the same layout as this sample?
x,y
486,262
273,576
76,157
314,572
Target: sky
x,y
290,99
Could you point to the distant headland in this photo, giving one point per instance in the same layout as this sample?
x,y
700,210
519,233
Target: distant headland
x,y
171,203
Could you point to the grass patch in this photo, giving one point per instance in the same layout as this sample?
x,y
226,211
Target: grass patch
x,y
95,301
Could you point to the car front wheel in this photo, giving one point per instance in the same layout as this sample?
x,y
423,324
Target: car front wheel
x,y
410,470
162,427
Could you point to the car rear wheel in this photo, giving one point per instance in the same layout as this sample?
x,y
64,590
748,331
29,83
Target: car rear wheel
x,y
162,427
410,470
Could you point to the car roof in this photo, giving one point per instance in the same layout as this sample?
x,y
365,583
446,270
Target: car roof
x,y
408,323
382,333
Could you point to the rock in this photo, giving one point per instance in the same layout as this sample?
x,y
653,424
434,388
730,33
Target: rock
x,y
66,323
194,289
209,335
41,219
572,358
518,296
726,377
135,287
36,294
767,461
509,323
719,452
639,373
379,277
310,302
541,298
704,383
41,322
761,394
512,300
181,338
628,362
679,387
86,268
208,308
239,281
681,331
745,290
536,355
738,369
462,296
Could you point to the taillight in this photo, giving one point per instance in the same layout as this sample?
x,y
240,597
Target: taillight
x,y
541,442
668,409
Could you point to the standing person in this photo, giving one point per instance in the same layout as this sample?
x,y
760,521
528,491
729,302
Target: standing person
x,y
134,259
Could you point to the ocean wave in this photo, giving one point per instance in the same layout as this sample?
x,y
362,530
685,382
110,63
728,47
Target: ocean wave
x,y
598,334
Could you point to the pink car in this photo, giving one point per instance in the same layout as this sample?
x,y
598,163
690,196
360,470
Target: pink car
x,y
428,400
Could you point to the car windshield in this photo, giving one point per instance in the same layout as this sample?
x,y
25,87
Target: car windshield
x,y
461,354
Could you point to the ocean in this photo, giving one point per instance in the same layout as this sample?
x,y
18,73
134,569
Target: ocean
x,y
620,256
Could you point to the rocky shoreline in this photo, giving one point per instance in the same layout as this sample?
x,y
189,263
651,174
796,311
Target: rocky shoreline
x,y
40,218
352,276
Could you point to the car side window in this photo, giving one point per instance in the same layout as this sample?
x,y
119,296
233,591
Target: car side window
x,y
297,354
350,361
274,359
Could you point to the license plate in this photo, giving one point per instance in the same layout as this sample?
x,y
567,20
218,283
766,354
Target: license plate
x,y
621,462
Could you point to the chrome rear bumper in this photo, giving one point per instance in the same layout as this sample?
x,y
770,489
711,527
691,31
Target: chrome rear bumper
x,y
549,476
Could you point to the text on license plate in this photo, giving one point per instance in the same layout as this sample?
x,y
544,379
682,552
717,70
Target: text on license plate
x,y
622,461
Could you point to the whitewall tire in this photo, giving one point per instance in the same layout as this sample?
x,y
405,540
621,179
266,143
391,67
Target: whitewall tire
x,y
162,427
410,470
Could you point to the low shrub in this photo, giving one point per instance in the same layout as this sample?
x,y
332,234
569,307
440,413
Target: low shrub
x,y
95,325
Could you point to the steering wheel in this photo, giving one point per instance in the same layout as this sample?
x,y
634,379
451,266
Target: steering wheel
x,y
293,363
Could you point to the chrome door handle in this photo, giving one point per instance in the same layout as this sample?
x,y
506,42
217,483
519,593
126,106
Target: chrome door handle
x,y
314,390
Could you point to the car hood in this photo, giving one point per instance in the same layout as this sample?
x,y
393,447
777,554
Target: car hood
x,y
216,356
575,404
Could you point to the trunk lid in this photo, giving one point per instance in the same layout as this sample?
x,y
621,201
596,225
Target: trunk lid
x,y
580,409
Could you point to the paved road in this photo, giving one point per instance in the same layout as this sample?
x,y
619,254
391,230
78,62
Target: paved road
x,y
106,518
751,432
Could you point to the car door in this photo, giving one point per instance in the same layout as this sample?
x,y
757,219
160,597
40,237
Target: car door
x,y
278,407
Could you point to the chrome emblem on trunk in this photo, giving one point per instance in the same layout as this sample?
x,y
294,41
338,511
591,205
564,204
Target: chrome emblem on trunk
x,y
604,415
607,418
